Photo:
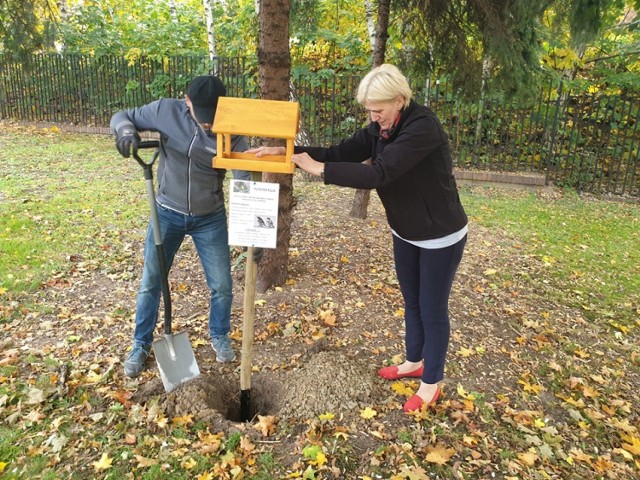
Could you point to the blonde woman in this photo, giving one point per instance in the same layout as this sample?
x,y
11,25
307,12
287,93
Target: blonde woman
x,y
411,170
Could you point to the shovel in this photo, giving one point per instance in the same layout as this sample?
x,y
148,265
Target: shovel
x,y
174,355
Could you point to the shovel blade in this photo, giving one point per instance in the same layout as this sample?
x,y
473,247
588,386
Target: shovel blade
x,y
176,360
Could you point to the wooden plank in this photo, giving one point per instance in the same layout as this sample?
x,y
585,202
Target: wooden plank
x,y
253,165
256,117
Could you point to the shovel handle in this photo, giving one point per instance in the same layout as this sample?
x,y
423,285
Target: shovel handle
x,y
146,164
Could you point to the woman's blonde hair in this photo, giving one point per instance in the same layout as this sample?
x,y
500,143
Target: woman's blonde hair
x,y
384,84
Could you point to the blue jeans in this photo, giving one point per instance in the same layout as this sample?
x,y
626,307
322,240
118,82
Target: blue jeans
x,y
209,234
425,278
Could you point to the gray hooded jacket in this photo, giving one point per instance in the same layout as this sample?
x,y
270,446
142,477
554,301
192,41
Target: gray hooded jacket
x,y
187,182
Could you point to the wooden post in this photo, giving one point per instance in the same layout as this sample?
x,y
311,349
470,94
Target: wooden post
x,y
250,275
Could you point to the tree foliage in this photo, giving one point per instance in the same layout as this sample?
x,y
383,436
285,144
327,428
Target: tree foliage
x,y
603,59
26,26
592,42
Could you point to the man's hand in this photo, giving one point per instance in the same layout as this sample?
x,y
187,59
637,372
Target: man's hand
x,y
126,138
262,151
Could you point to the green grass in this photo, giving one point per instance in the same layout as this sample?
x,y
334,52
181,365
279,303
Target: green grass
x,y
587,249
64,200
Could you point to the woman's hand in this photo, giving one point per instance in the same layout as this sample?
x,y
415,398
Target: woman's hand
x,y
262,151
308,164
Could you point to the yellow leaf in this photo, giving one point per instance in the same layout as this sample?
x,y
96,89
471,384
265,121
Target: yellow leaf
x,y
205,476
320,460
464,394
344,259
184,420
2,466
368,413
528,458
581,353
470,440
328,317
162,421
538,423
465,352
590,392
343,435
490,271
260,302
266,424
401,389
532,388
246,445
189,463
145,462
624,453
439,454
103,464
399,313
326,416
634,444
200,342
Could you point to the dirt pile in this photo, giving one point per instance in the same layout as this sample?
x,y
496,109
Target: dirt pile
x,y
329,382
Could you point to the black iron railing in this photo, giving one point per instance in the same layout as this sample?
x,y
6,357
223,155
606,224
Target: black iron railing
x,y
586,141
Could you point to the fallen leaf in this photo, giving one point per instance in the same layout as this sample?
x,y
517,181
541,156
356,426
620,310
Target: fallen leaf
x,y
439,454
368,413
266,424
634,444
401,389
528,458
103,464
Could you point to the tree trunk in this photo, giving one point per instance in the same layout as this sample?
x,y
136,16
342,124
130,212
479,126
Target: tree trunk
x,y
63,12
371,25
274,65
382,32
360,204
211,38
173,11
487,65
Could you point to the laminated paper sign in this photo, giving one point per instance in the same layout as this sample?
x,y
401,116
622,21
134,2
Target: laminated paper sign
x,y
253,213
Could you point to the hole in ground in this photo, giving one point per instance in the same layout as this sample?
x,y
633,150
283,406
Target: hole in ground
x,y
210,397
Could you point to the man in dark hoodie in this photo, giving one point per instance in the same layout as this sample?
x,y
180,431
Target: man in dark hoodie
x,y
190,201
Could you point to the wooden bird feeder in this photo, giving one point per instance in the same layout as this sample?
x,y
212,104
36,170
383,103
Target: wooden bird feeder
x,y
255,118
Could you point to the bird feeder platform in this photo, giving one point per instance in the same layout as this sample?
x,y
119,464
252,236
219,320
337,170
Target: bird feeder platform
x,y
255,118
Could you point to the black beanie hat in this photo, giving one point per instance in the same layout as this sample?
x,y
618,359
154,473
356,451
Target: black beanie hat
x,y
203,93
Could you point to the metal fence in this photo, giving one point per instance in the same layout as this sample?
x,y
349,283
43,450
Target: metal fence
x,y
586,141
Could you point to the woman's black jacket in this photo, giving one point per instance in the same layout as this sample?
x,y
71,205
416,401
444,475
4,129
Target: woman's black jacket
x,y
411,171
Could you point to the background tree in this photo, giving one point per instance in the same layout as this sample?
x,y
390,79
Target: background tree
x,y
593,44
361,199
211,34
274,67
27,26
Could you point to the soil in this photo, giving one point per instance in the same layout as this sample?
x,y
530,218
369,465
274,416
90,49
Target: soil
x,y
320,338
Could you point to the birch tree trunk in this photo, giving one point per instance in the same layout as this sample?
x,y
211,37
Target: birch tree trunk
x,y
360,204
371,25
172,11
274,67
211,38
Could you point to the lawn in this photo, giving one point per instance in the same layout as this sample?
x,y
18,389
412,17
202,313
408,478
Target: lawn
x,y
543,369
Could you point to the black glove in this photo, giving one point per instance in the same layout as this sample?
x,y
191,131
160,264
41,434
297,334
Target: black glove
x,y
126,138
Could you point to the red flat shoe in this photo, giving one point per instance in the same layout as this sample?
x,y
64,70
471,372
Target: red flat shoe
x,y
415,402
391,373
